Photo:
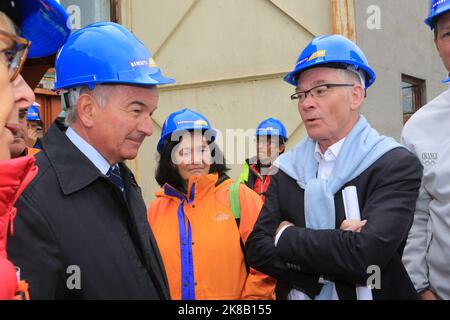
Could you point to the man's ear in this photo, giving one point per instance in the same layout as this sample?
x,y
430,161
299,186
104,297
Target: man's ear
x,y
357,95
86,109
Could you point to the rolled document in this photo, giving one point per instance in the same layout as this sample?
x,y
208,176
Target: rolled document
x,y
351,206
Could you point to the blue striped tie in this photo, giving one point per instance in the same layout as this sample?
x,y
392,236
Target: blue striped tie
x,y
115,177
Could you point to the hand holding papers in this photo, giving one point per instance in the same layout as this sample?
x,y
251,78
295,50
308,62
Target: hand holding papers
x,y
352,212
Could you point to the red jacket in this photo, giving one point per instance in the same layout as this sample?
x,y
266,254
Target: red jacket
x,y
15,175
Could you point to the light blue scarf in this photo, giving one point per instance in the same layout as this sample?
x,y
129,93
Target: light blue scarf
x,y
362,147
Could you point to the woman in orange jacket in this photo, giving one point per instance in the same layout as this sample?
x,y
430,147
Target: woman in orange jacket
x,y
200,240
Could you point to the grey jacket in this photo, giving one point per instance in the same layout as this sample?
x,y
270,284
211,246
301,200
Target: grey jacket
x,y
427,252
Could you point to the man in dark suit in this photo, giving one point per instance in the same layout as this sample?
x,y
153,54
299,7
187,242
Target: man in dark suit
x,y
82,232
339,209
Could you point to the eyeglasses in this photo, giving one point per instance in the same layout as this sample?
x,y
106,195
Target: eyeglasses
x,y
317,92
15,54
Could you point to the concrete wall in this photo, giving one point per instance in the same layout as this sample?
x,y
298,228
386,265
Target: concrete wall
x,y
228,57
404,44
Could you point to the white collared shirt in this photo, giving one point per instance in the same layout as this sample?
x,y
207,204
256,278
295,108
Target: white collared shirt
x,y
326,162
89,151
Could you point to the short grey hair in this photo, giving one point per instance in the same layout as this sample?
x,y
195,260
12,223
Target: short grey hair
x,y
353,76
100,93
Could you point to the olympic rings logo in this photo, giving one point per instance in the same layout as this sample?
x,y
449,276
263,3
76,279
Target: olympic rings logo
x,y
429,162
429,158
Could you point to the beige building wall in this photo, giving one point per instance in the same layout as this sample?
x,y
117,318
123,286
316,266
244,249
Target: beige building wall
x,y
228,57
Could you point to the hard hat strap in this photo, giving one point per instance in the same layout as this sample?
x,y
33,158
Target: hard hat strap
x,y
361,75
71,97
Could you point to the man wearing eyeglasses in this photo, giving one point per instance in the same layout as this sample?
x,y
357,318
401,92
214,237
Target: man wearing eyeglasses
x,y
43,28
303,237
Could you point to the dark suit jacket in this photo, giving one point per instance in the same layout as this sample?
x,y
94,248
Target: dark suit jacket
x,y
387,193
72,215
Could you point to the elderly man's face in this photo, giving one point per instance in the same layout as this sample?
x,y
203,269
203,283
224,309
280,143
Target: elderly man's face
x,y
329,118
120,127
442,40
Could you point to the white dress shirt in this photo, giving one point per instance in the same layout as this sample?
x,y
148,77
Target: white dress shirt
x,y
89,151
326,162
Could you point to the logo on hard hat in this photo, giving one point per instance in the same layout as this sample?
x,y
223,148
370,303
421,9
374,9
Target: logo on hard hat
x,y
439,3
201,123
269,129
140,63
196,123
152,63
185,122
315,55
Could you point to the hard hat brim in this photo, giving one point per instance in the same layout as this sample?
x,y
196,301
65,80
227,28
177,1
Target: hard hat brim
x,y
292,77
149,81
162,80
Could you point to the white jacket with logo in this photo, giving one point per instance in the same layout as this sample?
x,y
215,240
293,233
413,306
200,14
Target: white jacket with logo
x,y
427,252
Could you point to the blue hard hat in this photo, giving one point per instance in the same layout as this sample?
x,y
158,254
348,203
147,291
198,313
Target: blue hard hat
x,y
184,120
272,127
43,22
437,7
33,113
334,51
105,52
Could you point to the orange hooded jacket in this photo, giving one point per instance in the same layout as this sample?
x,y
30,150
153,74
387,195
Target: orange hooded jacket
x,y
219,269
